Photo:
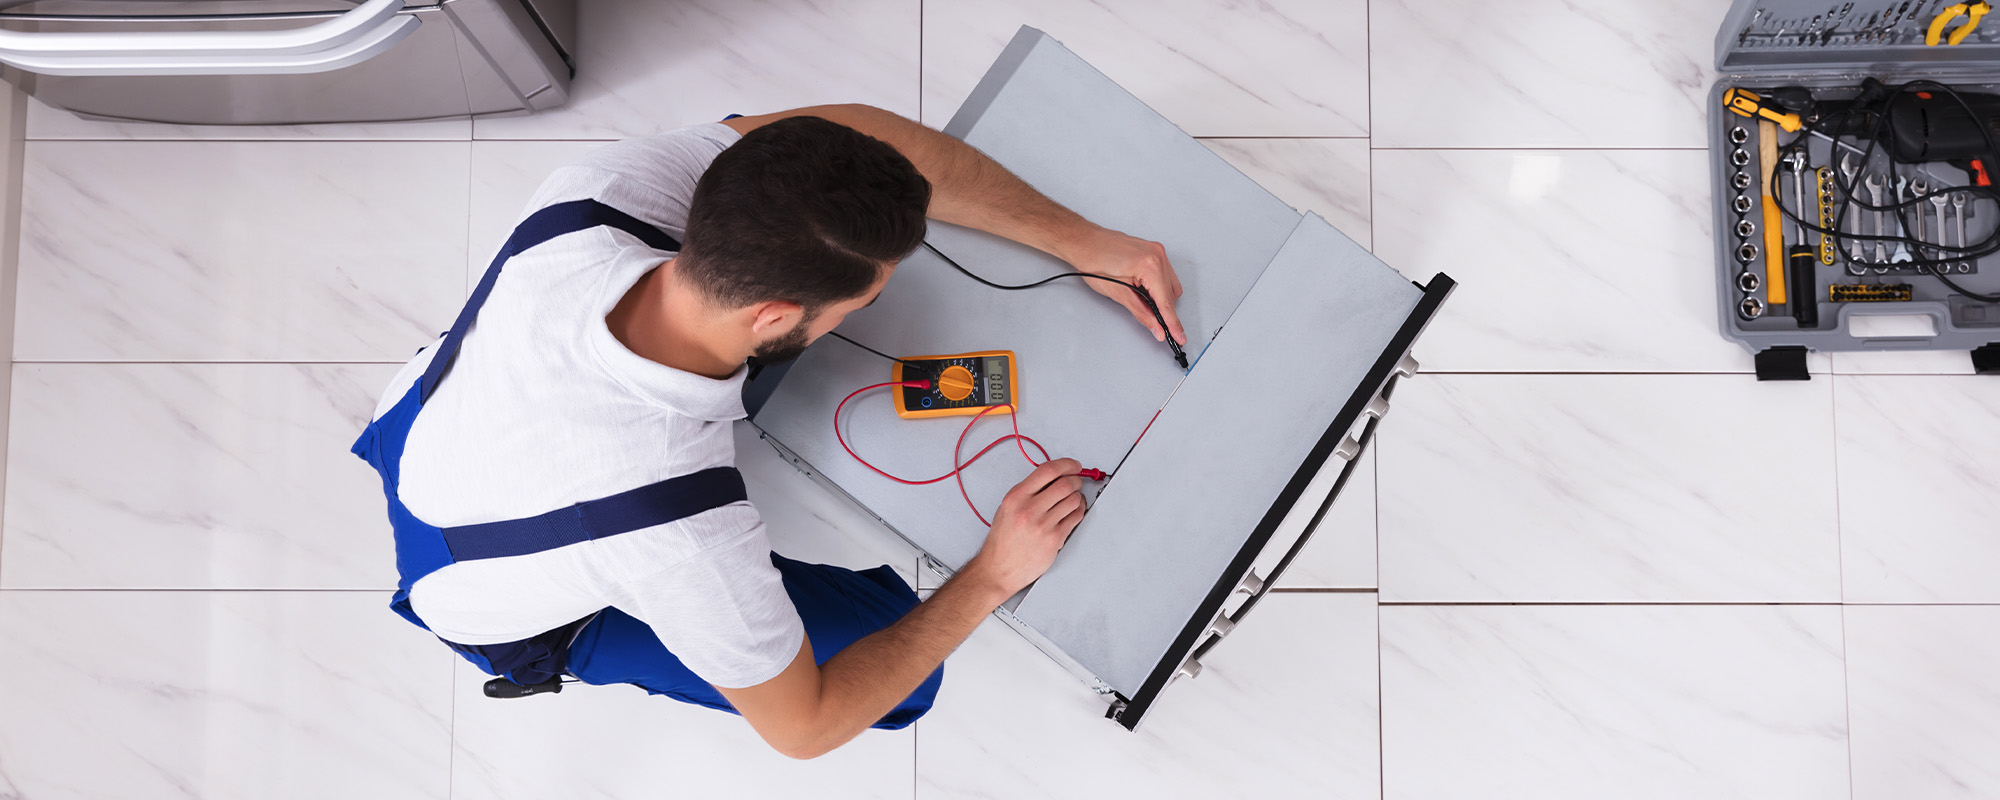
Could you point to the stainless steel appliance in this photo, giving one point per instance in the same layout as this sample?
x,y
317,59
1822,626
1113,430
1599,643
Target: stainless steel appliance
x,y
280,62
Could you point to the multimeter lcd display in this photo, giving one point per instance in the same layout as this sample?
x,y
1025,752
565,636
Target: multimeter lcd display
x,y
961,384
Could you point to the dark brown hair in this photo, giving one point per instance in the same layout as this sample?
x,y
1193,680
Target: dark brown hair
x,y
803,210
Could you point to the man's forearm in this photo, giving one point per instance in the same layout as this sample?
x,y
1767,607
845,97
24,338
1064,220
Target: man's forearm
x,y
867,679
967,188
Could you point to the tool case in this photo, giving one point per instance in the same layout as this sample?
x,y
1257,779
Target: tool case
x,y
1829,49
1218,472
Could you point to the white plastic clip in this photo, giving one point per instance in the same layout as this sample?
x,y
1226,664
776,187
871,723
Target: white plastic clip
x,y
1222,625
1251,584
1189,669
1377,408
1407,366
1349,449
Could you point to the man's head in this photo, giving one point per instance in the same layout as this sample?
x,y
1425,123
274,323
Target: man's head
x,y
799,224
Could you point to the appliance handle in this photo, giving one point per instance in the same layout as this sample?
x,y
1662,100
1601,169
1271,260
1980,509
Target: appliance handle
x,y
367,19
369,45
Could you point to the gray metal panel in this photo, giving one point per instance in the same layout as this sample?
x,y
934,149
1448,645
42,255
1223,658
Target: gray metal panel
x,y
1188,497
467,61
1090,377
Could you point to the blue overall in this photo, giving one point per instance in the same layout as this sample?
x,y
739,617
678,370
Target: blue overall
x,y
838,606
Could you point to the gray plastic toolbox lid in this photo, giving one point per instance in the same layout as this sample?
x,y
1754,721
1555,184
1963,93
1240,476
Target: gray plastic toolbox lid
x,y
1786,37
1293,328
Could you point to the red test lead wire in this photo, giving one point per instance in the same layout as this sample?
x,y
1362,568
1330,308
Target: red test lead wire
x,y
957,467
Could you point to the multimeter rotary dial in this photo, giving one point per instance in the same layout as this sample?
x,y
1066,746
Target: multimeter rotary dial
x,y
956,383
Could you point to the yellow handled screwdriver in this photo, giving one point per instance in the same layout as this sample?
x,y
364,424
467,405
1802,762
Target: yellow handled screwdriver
x,y
1745,103
1748,104
1774,238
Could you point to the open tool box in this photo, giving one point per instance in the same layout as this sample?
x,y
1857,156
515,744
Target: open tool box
x,y
1217,473
1889,177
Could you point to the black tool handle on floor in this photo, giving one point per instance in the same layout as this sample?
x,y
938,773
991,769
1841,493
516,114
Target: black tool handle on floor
x,y
506,689
1803,294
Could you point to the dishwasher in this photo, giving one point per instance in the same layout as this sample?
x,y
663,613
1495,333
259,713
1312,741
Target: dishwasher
x,y
289,62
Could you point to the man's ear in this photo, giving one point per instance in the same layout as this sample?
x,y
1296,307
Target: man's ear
x,y
773,317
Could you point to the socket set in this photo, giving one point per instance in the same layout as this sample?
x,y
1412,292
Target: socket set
x,y
1847,185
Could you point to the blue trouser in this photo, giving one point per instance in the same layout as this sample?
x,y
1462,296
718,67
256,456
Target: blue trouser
x,y
838,606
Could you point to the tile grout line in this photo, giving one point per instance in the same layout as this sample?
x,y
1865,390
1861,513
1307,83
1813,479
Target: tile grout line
x,y
1374,461
205,363
920,102
1544,148
1840,570
451,736
466,268
1381,711
176,589
1635,603
1847,698
1839,536
917,729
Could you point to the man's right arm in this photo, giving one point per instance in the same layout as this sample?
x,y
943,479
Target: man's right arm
x,y
810,709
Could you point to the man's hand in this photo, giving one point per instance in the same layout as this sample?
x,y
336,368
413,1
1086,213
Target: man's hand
x,y
809,710
1034,520
1135,261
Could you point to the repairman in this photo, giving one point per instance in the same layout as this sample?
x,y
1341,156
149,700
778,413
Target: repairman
x,y
558,465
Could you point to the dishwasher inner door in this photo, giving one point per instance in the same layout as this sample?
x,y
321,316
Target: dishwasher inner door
x,y
444,58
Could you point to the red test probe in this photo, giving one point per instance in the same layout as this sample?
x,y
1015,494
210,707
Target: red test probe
x,y
957,467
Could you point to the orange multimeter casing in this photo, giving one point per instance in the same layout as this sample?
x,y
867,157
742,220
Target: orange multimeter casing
x,y
967,383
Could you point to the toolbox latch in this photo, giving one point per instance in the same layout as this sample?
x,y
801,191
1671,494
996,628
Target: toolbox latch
x,y
1986,359
1785,363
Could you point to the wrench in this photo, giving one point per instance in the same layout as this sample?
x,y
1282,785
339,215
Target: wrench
x,y
1902,255
1921,188
1874,185
1847,173
1958,206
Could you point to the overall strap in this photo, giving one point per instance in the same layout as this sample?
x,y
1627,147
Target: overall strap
x,y
659,503
539,227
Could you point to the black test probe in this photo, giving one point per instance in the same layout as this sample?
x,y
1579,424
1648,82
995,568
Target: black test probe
x,y
1180,356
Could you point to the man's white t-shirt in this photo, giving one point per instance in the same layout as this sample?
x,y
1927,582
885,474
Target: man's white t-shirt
x,y
544,408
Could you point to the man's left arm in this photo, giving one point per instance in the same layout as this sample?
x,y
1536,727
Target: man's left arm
x,y
969,189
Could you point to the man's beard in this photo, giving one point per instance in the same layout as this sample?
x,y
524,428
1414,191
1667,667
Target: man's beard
x,y
785,347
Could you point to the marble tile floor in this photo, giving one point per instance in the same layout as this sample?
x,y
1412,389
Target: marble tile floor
x,y
1588,555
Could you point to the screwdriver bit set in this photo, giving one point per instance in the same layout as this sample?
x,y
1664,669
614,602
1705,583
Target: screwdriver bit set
x,y
1852,146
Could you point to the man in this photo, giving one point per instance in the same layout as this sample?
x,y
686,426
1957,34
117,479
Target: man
x,y
565,502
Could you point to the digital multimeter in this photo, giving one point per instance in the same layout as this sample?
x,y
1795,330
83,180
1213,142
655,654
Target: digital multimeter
x,y
967,383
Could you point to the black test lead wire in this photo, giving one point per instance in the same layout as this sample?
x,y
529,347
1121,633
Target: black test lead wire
x,y
1850,198
1180,356
919,369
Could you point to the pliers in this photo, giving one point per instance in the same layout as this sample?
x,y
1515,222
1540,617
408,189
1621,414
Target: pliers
x,y
1973,12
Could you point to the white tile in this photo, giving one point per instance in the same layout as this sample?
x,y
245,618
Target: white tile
x,y
240,251
1325,176
1568,261
808,522
1608,488
648,67
1904,362
1924,705
1285,707
48,122
1215,68
504,176
1341,552
249,695
618,741
223,476
1542,73
1919,492
1632,702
